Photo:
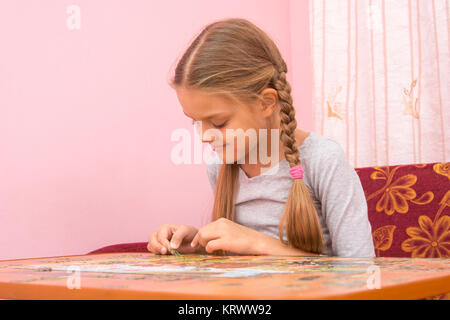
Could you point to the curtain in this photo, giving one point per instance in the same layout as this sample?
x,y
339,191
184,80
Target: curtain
x,y
381,79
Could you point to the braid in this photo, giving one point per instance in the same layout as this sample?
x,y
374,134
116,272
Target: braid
x,y
288,122
303,226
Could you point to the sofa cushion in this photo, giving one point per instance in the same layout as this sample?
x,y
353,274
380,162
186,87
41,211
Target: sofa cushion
x,y
408,208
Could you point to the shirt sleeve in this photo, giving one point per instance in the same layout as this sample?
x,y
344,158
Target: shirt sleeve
x,y
344,205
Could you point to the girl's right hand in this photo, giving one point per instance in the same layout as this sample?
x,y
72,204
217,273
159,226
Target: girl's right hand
x,y
180,236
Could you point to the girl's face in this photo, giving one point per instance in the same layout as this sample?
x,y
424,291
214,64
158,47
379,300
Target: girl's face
x,y
225,123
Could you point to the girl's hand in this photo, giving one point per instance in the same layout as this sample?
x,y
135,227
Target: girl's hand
x,y
224,234
178,235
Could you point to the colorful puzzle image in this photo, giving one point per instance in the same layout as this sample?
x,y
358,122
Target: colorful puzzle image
x,y
194,266
261,276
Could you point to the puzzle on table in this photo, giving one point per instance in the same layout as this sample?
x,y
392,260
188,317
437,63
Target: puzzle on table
x,y
190,266
200,267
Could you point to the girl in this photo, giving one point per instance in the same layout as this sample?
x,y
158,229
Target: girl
x,y
309,201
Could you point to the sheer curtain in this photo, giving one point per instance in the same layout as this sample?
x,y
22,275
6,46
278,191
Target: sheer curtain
x,y
381,79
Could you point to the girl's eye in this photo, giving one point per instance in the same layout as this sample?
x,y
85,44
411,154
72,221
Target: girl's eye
x,y
218,126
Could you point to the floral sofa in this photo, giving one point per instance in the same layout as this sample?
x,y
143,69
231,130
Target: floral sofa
x,y
408,208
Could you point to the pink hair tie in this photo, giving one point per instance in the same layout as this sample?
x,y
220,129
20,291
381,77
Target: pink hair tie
x,y
296,172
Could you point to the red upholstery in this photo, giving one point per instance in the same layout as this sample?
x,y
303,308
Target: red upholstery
x,y
408,207
123,247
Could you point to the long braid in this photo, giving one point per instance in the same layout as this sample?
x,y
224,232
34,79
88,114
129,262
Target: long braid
x,y
303,226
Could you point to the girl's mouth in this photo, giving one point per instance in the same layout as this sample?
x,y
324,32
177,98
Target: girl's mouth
x,y
218,148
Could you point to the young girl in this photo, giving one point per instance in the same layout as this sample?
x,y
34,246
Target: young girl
x,y
308,202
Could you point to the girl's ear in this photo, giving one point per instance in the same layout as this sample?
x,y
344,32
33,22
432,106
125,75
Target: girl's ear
x,y
269,101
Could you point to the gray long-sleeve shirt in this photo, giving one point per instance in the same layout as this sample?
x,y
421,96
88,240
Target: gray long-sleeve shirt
x,y
334,186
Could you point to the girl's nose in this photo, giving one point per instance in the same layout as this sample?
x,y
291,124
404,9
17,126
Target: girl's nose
x,y
211,139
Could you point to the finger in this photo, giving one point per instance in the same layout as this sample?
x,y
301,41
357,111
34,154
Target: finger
x,y
194,241
154,246
178,236
214,245
164,234
205,235
150,245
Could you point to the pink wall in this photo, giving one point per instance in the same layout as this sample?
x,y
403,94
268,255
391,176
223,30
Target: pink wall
x,y
86,118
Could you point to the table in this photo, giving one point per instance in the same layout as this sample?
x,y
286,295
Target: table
x,y
206,277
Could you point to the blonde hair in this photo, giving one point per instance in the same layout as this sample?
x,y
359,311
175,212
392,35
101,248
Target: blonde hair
x,y
236,59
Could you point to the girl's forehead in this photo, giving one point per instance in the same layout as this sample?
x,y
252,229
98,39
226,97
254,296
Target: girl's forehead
x,y
198,104
201,99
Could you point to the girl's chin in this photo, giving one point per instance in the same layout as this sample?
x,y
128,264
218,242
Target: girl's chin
x,y
223,157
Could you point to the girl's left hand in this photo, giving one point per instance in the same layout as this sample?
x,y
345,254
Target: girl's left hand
x,y
224,234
